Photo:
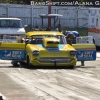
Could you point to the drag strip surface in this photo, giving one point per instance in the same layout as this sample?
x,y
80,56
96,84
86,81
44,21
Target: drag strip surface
x,y
81,83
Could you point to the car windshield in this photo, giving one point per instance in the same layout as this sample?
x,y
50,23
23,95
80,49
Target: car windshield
x,y
11,23
38,39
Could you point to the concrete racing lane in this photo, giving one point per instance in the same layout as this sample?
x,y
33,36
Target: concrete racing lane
x,y
81,83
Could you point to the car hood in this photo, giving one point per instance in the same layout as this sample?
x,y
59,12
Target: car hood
x,y
40,47
63,50
12,30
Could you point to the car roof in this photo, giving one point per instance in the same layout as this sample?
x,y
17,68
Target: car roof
x,y
43,33
10,19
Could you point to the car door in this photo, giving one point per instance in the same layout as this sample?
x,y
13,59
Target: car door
x,y
12,51
85,52
85,48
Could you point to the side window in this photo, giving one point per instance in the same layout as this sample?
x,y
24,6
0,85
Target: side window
x,y
3,23
39,41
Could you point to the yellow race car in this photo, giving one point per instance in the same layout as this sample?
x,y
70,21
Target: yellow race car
x,y
48,48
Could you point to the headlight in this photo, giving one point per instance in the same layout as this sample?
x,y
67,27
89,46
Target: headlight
x,y
35,53
72,53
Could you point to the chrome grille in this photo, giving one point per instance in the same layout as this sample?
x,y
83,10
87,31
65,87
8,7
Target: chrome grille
x,y
52,60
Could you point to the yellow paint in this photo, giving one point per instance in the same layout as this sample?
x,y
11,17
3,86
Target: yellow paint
x,y
12,46
84,46
43,33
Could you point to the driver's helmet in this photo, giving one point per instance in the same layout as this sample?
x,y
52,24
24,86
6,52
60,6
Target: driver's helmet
x,y
75,33
67,32
70,35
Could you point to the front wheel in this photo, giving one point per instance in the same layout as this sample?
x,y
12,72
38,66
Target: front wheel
x,y
28,62
15,63
71,67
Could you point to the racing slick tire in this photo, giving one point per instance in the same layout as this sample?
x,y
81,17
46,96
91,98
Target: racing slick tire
x,y
15,63
28,63
71,67
22,63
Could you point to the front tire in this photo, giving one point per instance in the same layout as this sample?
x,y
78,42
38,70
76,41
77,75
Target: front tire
x,y
28,62
15,63
71,67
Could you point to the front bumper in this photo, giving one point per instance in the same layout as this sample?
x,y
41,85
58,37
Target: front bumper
x,y
54,62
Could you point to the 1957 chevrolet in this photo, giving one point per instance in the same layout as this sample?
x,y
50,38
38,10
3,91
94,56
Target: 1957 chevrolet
x,y
46,48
